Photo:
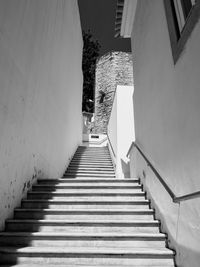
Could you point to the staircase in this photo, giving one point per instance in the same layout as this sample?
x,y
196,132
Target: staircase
x,y
87,218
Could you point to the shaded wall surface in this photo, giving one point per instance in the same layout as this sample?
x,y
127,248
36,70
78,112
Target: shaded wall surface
x,y
121,132
112,69
40,93
167,112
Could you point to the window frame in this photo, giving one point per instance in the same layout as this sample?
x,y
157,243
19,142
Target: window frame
x,y
178,39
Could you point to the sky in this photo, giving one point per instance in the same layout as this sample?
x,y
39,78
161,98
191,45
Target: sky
x,y
99,17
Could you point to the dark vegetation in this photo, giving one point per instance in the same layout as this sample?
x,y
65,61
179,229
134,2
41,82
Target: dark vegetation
x,y
91,49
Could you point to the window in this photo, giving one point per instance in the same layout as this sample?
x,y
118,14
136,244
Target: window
x,y
182,16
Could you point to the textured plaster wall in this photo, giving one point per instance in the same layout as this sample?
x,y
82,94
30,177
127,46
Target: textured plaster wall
x,y
167,112
112,69
40,93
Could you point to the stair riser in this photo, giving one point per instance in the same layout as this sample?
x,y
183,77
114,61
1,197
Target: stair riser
x,y
87,260
79,206
38,215
82,242
80,229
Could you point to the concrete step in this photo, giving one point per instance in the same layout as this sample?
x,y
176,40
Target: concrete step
x,y
84,240
103,195
92,160
95,149
93,155
51,187
140,214
90,173
70,170
83,226
87,256
88,182
90,164
88,189
85,204
92,168
85,197
96,169
66,265
85,175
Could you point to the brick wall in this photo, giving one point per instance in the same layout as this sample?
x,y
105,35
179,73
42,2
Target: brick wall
x,y
114,68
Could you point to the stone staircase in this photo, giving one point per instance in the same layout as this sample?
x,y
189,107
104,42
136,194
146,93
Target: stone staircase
x,y
87,218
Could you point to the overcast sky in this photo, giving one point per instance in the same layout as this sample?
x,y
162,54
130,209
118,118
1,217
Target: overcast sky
x,y
99,17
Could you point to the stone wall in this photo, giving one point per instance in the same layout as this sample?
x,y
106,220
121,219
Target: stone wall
x,y
114,68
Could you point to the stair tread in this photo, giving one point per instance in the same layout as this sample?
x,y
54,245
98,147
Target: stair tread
x,y
84,221
64,235
94,180
88,211
87,201
88,191
132,186
89,250
88,185
75,265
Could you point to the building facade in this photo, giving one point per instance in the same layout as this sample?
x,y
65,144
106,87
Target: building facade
x,y
165,40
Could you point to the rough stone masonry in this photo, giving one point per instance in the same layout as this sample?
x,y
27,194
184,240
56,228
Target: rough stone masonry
x,y
112,69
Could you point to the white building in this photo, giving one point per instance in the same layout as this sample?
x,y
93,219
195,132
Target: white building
x,y
165,38
40,93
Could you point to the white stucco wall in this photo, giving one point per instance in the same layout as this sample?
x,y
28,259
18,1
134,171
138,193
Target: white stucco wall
x,y
167,112
121,128
40,93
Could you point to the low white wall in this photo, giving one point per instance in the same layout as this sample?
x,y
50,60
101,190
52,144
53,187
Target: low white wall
x,y
40,93
167,112
121,128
